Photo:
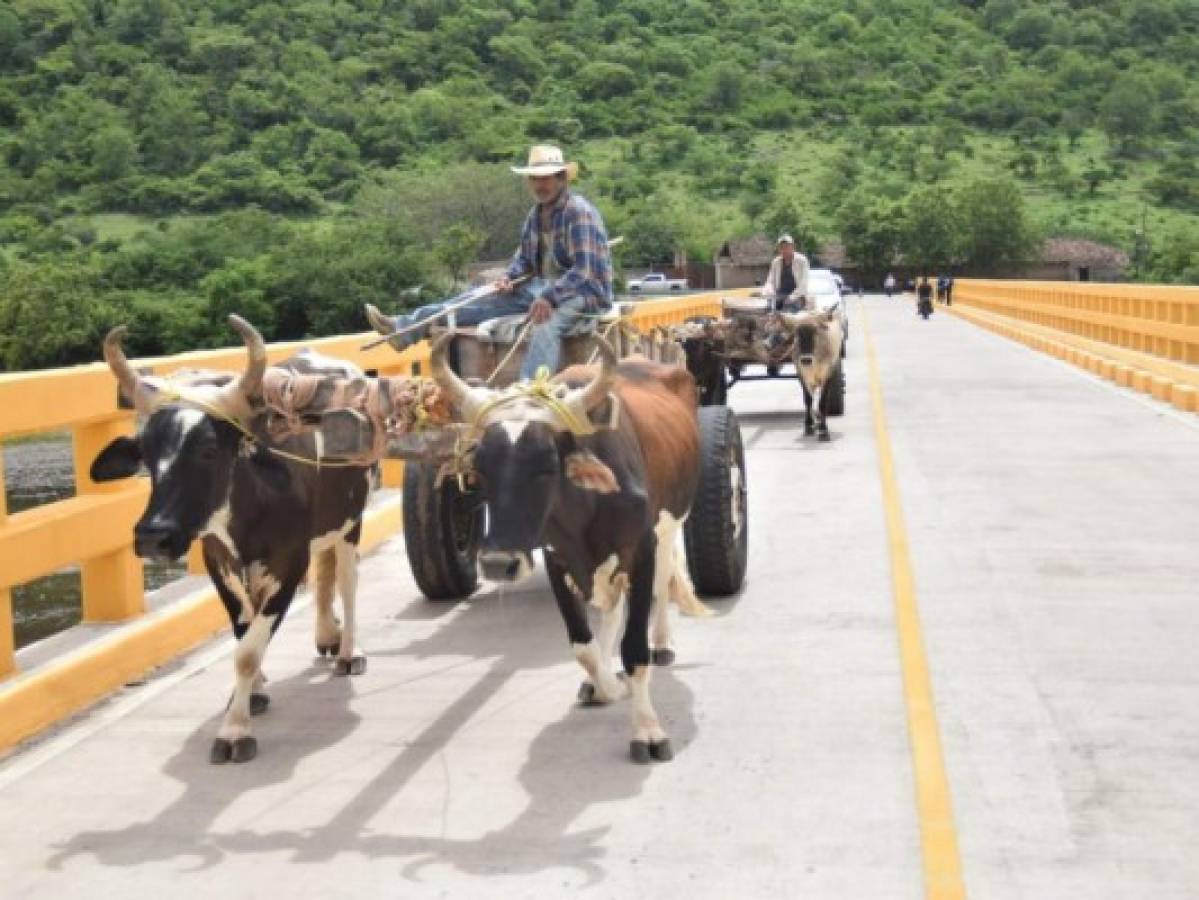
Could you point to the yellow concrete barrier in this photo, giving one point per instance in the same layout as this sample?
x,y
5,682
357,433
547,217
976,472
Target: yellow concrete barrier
x,y
1184,397
1141,336
94,528
1161,320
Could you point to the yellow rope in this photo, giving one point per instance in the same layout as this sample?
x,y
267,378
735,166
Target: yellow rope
x,y
541,391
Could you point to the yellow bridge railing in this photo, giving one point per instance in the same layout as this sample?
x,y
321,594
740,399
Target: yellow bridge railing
x,y
1162,320
94,529
1145,337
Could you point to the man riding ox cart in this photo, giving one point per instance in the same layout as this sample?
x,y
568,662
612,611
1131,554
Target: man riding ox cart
x,y
560,276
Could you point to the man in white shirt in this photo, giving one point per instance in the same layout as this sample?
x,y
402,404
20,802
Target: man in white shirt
x,y
787,284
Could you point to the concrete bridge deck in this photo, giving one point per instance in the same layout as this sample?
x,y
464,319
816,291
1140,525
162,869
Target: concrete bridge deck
x,y
1052,523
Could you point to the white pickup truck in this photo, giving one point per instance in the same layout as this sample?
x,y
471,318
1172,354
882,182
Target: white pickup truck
x,y
656,283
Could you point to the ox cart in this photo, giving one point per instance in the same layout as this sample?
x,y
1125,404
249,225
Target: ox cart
x,y
443,512
718,350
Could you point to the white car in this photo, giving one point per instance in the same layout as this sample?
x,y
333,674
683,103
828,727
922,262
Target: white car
x,y
656,283
824,293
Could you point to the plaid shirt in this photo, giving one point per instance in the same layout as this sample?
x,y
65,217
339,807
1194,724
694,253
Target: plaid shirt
x,y
580,248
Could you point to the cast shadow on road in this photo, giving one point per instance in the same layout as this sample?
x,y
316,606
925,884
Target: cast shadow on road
x,y
786,424
573,764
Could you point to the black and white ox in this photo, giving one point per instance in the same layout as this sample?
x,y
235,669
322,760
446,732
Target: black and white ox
x,y
816,351
601,478
262,517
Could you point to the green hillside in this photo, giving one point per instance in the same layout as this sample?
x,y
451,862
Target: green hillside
x,y
163,163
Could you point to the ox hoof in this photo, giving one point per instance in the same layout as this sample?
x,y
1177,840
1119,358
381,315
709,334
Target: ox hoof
x,y
639,752
808,429
355,665
259,704
661,656
661,751
824,436
329,649
244,749
222,752
588,696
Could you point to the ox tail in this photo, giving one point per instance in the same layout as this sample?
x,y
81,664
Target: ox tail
x,y
682,594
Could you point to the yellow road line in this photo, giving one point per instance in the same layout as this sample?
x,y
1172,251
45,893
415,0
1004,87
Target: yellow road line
x,y
938,839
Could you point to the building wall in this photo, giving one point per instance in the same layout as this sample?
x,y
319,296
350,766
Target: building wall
x,y
1069,271
729,276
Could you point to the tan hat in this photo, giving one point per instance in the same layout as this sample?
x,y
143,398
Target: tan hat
x,y
545,159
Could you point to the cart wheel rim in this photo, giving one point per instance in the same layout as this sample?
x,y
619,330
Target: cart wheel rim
x,y
736,497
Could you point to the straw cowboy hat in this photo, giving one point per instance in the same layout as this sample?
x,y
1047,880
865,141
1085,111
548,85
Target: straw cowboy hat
x,y
545,159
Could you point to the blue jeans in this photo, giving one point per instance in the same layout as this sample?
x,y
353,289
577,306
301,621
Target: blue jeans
x,y
545,340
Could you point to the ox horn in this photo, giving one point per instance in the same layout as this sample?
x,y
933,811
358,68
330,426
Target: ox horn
x,y
591,395
460,394
141,393
248,385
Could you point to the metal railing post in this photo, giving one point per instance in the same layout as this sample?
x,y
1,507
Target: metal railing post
x,y
112,585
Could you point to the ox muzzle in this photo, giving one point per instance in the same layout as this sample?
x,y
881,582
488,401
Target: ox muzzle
x,y
805,345
506,566
159,539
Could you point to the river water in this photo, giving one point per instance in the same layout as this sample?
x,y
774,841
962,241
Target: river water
x,y
40,472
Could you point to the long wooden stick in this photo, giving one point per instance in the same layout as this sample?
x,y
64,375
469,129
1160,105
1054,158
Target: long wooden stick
x,y
470,297
485,290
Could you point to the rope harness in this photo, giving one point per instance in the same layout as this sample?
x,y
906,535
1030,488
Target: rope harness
x,y
542,391
400,406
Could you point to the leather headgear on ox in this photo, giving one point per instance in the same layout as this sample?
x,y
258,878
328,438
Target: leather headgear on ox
x,y
525,453
236,399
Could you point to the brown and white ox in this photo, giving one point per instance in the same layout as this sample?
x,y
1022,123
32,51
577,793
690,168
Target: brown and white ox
x,y
816,339
601,477
261,517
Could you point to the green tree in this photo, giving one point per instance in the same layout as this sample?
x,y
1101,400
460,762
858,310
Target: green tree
x,y
1128,112
994,231
605,80
928,236
456,248
869,229
239,288
652,236
114,152
52,313
726,88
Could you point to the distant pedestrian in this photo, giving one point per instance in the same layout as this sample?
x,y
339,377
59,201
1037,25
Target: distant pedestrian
x,y
889,284
949,290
